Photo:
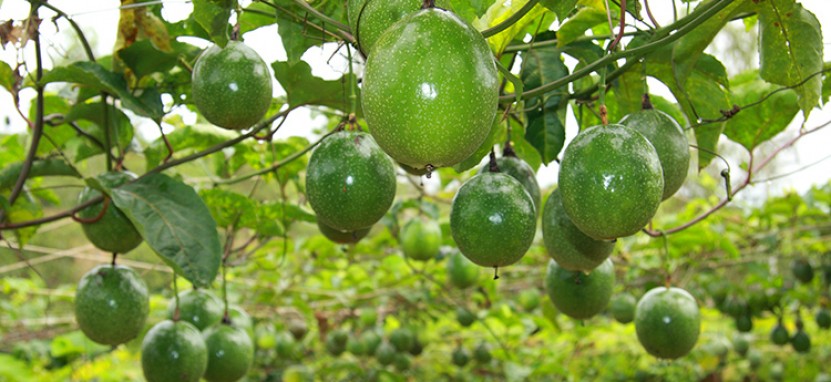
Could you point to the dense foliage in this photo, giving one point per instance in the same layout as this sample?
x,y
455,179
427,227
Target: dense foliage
x,y
232,210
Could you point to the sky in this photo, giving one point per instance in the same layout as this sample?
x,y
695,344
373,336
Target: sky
x,y
99,19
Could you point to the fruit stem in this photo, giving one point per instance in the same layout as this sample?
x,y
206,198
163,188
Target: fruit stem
x,y
429,169
508,151
427,4
496,273
176,297
225,317
492,166
647,103
115,255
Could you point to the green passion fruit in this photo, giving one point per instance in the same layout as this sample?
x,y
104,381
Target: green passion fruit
x,y
430,93
577,294
369,19
200,307
111,304
342,237
350,182
611,181
568,245
113,231
462,272
492,220
521,171
230,353
231,86
173,352
623,307
670,144
667,322
420,239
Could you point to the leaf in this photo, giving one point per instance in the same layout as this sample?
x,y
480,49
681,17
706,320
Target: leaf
x,y
176,224
213,17
196,137
826,83
255,16
24,209
40,167
546,128
790,49
500,11
82,147
93,75
58,135
303,88
752,126
143,58
561,7
7,79
577,25
229,208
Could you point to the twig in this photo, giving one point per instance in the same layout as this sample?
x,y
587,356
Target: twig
x,y
619,36
510,21
649,13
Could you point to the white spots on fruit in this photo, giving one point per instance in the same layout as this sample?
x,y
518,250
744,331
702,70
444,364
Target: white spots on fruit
x,y
667,320
607,181
233,86
428,91
495,218
350,180
174,354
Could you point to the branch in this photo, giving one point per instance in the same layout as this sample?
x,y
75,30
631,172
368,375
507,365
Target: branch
x,y
662,38
747,181
510,21
81,36
335,23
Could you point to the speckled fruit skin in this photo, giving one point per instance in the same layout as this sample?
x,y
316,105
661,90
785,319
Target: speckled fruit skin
x,y
173,352
779,335
111,304
669,142
368,20
580,295
461,272
667,321
114,232
611,181
350,182
521,171
431,91
493,220
342,237
801,342
231,86
200,307
567,244
230,353
623,307
420,239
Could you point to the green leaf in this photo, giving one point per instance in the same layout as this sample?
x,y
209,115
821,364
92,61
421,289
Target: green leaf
x,y
24,209
790,49
196,137
229,208
255,16
546,128
40,167
752,126
577,25
93,75
143,58
121,129
58,135
176,224
561,7
7,79
213,17
826,83
303,88
499,12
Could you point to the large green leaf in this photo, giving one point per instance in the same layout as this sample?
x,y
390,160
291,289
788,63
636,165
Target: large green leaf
x,y
229,208
752,126
213,17
561,7
546,127
40,167
577,25
303,88
791,48
93,75
143,58
176,224
498,12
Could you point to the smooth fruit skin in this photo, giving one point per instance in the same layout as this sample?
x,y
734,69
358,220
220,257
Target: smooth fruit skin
x,y
577,294
430,94
173,352
611,181
230,353
114,232
492,220
200,307
420,239
670,143
623,307
369,19
568,245
343,237
350,182
462,272
668,322
521,171
231,86
111,304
